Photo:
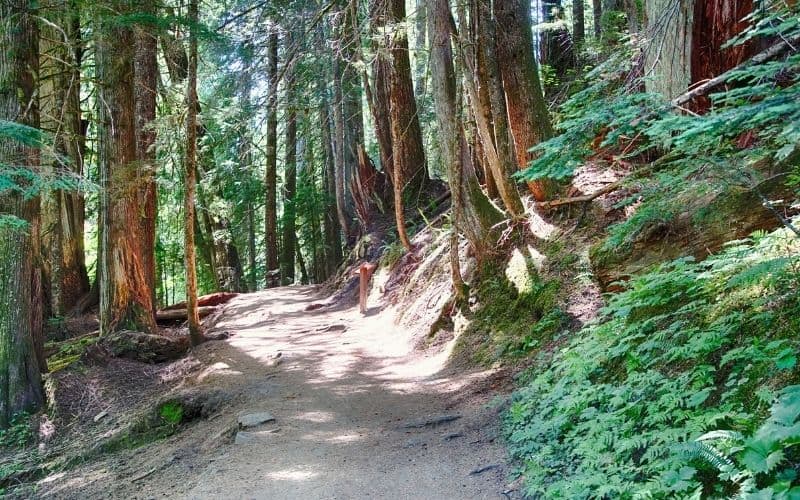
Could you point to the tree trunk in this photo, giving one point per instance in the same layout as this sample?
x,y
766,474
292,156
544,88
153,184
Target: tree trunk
x,y
474,213
20,382
380,89
65,277
597,15
716,22
195,334
344,205
527,110
505,165
289,237
668,54
271,181
146,74
408,154
126,302
578,24
333,240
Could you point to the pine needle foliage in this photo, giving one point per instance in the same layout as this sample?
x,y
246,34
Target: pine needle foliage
x,y
686,349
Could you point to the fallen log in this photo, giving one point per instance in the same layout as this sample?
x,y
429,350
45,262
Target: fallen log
x,y
145,347
165,316
212,299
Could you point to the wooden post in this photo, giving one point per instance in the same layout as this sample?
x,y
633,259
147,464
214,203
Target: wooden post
x,y
364,272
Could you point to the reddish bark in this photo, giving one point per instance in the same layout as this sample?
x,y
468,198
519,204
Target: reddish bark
x,y
716,22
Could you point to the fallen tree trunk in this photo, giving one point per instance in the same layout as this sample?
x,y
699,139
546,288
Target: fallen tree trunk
x,y
165,316
212,299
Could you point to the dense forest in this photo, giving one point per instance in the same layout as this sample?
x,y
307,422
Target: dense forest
x,y
596,200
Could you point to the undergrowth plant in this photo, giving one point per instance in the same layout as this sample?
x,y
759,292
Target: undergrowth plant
x,y
686,349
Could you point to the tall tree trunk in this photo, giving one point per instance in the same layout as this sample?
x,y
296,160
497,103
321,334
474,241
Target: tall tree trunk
x,y
716,22
597,16
578,24
344,202
146,74
408,153
352,115
271,181
192,315
20,382
474,213
66,279
527,110
668,54
126,302
289,237
333,241
505,165
378,92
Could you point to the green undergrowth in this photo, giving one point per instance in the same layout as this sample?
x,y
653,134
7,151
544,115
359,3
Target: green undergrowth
x,y
625,408
516,312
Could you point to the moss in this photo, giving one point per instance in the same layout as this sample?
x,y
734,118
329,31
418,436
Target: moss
x,y
511,321
67,353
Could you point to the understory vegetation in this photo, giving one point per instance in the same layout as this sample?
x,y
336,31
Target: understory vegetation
x,y
685,385
625,408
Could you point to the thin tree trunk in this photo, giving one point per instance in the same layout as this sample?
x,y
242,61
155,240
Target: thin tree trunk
x,y
192,314
288,250
20,382
271,181
126,302
343,202
527,110
333,241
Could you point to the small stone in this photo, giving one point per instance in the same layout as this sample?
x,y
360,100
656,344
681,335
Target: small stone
x,y
254,419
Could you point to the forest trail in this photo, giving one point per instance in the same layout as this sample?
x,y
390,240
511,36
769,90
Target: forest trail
x,y
346,391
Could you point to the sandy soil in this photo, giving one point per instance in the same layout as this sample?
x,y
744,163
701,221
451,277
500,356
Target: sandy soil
x,y
350,396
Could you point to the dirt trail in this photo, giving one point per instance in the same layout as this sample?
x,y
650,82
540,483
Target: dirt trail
x,y
346,392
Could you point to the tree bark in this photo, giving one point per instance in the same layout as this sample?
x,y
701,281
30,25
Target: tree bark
x,y
126,302
65,276
332,229
527,111
146,74
20,382
271,181
474,213
289,238
408,154
193,317
578,24
344,204
503,161
597,15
